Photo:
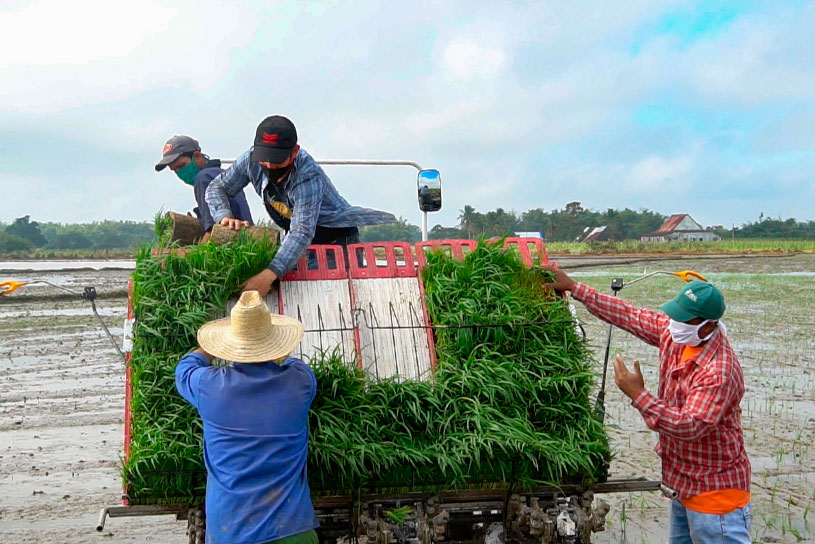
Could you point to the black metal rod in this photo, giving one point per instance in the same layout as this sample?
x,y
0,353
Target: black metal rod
x,y
373,336
600,403
414,318
105,327
434,327
431,327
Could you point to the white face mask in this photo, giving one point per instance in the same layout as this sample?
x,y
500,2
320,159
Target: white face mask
x,y
688,335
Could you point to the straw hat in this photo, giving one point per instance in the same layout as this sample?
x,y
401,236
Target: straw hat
x,y
252,334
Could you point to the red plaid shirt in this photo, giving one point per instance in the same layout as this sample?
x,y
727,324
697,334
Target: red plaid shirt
x,y
697,413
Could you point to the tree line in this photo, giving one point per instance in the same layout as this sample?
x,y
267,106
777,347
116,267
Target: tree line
x,y
572,223
24,234
567,225
789,229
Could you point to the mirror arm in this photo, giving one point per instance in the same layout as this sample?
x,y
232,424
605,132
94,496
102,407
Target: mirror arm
x,y
372,163
352,162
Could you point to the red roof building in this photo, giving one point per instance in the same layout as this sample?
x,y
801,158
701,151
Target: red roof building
x,y
681,227
596,234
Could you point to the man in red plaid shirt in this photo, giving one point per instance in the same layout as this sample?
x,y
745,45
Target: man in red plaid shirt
x,y
696,411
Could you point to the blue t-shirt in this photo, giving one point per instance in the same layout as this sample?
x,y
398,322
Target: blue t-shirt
x,y
240,207
255,446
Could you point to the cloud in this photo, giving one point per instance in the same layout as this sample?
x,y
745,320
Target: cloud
x,y
35,34
520,105
467,59
659,174
62,55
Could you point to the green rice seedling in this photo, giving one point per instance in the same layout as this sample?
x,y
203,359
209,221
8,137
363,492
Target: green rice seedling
x,y
398,515
173,295
739,246
508,403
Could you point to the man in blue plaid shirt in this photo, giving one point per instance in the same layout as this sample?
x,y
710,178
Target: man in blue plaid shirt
x,y
297,194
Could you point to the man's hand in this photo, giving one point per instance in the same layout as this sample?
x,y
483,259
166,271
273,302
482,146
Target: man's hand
x,y
562,281
261,283
201,351
630,383
234,224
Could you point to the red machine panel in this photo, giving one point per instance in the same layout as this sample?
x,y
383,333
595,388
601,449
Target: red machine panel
x,y
395,260
531,250
326,263
128,387
455,247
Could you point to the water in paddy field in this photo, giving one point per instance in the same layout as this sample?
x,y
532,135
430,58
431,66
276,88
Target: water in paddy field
x,y
62,400
124,264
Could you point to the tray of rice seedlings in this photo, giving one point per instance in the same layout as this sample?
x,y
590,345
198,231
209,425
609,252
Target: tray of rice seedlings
x,y
508,403
173,295
514,358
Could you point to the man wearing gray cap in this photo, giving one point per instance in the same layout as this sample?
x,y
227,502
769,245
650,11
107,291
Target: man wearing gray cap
x,y
183,155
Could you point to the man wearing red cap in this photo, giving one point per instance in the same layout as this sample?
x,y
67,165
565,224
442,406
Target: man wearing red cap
x,y
696,411
297,194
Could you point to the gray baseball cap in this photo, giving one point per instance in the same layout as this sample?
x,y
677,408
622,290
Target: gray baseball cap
x,y
174,148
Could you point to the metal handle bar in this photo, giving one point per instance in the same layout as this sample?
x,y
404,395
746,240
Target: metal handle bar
x,y
355,162
683,275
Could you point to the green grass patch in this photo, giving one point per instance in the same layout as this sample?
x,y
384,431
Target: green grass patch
x,y
738,246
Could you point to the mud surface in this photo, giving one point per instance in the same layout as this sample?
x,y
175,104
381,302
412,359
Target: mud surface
x,y
62,399
61,416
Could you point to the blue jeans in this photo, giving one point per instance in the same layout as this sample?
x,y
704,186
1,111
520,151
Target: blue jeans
x,y
689,527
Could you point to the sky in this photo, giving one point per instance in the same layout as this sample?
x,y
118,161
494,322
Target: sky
x,y
705,108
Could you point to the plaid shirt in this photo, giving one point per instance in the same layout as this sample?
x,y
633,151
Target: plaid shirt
x,y
697,413
313,200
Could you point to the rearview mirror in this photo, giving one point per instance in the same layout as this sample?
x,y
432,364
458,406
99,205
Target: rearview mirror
x,y
429,187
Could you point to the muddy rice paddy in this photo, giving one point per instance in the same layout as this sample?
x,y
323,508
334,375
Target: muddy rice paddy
x,y
62,400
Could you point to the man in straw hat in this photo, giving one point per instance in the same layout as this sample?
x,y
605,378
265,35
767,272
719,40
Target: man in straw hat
x,y
255,416
696,411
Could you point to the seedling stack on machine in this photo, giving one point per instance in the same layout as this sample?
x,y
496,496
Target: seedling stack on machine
x,y
453,400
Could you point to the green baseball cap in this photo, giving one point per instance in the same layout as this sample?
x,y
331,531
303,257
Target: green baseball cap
x,y
696,299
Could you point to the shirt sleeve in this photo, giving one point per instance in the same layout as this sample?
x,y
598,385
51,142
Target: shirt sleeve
x,y
225,185
202,181
312,379
188,374
646,325
708,400
307,196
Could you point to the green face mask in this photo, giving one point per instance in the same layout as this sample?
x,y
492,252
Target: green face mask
x,y
188,173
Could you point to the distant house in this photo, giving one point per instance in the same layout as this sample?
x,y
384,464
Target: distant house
x,y
529,235
681,227
596,234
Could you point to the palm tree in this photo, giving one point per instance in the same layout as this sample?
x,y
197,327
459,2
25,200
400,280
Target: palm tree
x,y
466,219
